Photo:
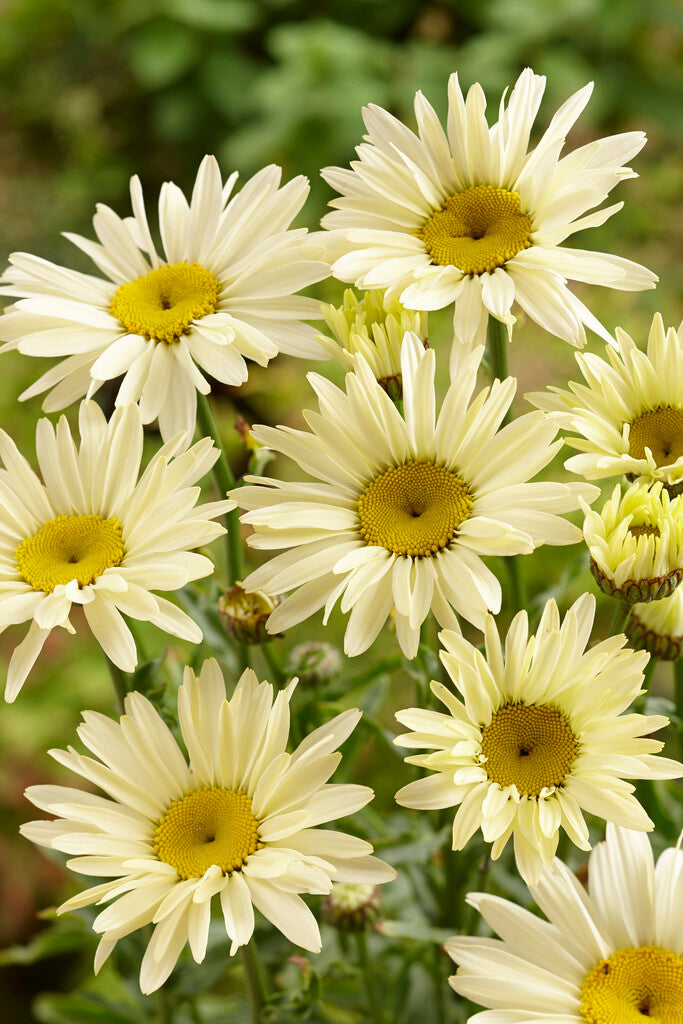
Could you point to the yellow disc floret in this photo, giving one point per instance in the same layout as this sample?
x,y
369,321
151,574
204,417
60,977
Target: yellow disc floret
x,y
413,509
530,746
661,431
642,985
162,304
70,548
208,826
477,230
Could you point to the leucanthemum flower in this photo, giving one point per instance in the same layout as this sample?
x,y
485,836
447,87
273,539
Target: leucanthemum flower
x,y
538,737
636,543
374,327
473,217
220,291
240,820
657,627
612,955
404,506
94,535
629,412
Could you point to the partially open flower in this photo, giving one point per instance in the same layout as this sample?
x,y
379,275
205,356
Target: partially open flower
x,y
636,543
373,326
244,616
352,906
657,627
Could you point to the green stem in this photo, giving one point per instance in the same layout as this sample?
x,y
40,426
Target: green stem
x,y
470,914
225,481
497,341
277,673
118,678
374,1003
253,976
678,699
622,614
164,1009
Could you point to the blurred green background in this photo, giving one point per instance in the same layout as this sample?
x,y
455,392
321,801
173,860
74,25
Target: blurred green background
x,y
92,91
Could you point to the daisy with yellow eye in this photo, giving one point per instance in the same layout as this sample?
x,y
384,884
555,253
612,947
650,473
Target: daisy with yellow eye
x,y
636,543
536,737
629,413
221,292
239,821
93,534
404,506
612,955
374,327
472,217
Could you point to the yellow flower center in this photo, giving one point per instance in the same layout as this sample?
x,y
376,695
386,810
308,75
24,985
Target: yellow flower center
x,y
530,746
413,509
477,230
70,548
162,304
208,826
661,431
644,531
635,986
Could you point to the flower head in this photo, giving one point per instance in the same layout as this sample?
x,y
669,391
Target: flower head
x,y
404,506
613,955
239,820
657,627
374,327
472,216
538,736
244,616
629,413
636,543
93,534
220,292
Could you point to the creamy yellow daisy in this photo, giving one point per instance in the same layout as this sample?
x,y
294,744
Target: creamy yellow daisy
x,y
475,217
404,506
612,955
220,290
535,737
91,533
636,543
629,412
657,627
237,819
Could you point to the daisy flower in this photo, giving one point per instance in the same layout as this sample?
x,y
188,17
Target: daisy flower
x,y
218,292
629,412
374,327
404,506
472,217
94,535
240,820
636,543
657,627
538,737
612,955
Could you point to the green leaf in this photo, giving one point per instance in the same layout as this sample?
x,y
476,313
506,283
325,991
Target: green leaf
x,y
214,15
418,931
65,936
82,1008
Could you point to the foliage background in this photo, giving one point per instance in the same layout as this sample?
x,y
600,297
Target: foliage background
x,y
92,91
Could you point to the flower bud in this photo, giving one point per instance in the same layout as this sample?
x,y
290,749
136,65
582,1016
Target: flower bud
x,y
243,616
351,906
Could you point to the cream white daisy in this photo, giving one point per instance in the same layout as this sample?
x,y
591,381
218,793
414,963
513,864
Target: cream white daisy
x,y
404,506
538,737
221,290
472,217
629,412
612,955
374,327
636,543
657,627
240,820
92,534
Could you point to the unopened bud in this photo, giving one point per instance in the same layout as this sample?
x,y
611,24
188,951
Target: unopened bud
x,y
314,663
352,906
243,616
